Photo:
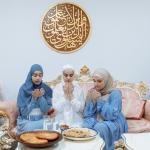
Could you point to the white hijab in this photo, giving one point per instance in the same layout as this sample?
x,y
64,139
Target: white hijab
x,y
65,67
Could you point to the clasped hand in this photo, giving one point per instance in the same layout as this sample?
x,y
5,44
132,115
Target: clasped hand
x,y
68,90
38,93
93,95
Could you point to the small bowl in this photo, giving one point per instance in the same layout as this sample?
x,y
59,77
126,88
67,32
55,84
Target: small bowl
x,y
64,127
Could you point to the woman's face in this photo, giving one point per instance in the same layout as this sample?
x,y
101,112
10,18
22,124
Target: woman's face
x,y
37,77
68,75
99,83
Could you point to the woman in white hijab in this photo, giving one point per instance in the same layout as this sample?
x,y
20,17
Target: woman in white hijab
x,y
103,109
68,99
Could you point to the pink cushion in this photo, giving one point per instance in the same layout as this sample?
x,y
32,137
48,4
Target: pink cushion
x,y
10,108
132,105
136,126
147,110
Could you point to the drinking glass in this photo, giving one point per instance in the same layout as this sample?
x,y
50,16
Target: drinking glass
x,y
47,123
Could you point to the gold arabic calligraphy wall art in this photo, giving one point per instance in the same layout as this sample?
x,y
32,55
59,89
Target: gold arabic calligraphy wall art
x,y
65,27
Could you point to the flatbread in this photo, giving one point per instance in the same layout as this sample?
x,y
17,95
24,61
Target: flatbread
x,y
46,135
32,139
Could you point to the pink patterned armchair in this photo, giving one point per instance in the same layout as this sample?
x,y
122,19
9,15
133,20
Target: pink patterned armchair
x,y
135,108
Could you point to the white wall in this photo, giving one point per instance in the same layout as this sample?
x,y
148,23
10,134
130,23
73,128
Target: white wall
x,y
120,41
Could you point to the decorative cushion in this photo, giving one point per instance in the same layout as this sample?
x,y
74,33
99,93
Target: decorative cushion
x,y
147,110
132,105
136,126
11,109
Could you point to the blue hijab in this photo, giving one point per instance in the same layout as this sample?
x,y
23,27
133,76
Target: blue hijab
x,y
25,92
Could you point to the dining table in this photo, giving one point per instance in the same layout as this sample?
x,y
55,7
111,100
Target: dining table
x,y
96,143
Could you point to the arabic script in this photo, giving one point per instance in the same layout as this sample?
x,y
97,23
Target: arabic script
x,y
65,27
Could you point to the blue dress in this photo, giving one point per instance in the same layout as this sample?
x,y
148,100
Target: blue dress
x,y
113,123
31,110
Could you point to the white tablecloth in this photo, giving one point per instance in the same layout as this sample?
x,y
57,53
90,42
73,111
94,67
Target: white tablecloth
x,y
137,141
94,144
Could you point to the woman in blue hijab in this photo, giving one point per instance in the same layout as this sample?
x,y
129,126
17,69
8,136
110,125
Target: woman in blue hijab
x,y
33,101
103,109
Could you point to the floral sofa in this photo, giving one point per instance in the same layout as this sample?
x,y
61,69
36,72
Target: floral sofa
x,y
135,108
